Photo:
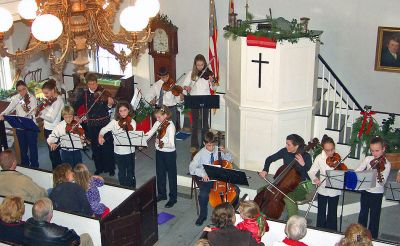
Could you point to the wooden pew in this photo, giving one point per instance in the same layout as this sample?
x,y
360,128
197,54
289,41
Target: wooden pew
x,y
132,220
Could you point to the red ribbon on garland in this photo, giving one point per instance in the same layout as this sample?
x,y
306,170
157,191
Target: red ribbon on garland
x,y
366,114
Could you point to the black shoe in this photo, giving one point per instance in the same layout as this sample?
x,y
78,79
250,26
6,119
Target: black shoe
x,y
170,204
161,198
97,172
200,221
112,173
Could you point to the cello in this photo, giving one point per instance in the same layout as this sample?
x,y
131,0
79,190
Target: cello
x,y
286,179
221,191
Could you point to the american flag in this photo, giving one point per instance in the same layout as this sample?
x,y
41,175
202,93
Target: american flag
x,y
231,7
212,42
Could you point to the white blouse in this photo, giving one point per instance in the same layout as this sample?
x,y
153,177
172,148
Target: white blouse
x,y
168,139
380,187
321,166
52,114
16,104
168,98
116,130
199,87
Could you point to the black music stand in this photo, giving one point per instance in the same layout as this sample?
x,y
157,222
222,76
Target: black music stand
x,y
21,123
226,175
202,102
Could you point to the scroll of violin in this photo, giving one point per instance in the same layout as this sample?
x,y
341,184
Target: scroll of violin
x,y
125,123
171,85
379,165
161,131
336,163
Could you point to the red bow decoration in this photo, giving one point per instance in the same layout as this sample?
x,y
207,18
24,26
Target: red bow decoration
x,y
366,114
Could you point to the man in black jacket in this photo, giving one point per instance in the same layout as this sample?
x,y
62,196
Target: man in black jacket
x,y
39,231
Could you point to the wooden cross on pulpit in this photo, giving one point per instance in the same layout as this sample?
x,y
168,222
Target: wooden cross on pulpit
x,y
260,62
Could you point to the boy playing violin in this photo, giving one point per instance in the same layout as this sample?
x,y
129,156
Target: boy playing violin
x,y
371,199
63,129
159,97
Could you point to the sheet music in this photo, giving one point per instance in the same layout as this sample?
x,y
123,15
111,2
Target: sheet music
x,y
137,138
73,143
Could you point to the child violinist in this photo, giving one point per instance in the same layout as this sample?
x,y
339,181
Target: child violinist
x,y
199,83
165,155
253,221
71,155
24,104
158,96
371,199
50,112
124,155
326,197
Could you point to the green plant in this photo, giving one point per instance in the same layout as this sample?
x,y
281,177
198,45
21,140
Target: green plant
x,y
364,139
4,94
391,134
144,109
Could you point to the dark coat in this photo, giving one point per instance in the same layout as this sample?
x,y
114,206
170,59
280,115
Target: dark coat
x,y
48,234
70,197
12,232
230,235
387,59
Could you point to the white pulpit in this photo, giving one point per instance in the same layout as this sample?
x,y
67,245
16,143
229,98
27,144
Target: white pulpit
x,y
270,94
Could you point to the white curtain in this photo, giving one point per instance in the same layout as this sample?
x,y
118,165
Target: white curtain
x,y
5,74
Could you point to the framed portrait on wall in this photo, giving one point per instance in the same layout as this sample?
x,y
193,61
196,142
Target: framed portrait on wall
x,y
387,56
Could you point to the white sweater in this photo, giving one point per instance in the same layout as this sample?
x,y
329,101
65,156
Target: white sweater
x,y
200,87
52,114
59,132
168,139
118,131
16,104
380,187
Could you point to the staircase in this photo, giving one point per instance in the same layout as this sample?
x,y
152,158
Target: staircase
x,y
335,111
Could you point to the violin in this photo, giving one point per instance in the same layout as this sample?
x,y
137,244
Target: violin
x,y
222,191
74,128
336,163
171,85
46,102
27,101
125,123
206,74
379,165
161,131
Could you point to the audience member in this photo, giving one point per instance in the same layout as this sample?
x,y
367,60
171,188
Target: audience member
x,y
11,224
90,184
202,242
39,231
223,217
295,230
253,220
66,195
356,235
13,183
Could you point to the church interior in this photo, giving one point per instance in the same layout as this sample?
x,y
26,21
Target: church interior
x,y
144,92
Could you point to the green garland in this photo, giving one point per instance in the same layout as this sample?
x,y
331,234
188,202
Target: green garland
x,y
277,31
365,139
144,110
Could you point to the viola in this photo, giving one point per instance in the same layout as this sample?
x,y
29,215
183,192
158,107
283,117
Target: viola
x,y
286,179
161,131
47,102
74,128
27,101
222,191
379,165
125,123
171,85
336,163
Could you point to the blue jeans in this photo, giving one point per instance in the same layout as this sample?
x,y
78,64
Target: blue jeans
x,y
71,157
126,169
54,155
166,165
329,220
28,141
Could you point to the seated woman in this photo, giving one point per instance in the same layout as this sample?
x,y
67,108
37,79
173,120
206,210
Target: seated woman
x,y
66,195
295,230
356,234
11,224
223,217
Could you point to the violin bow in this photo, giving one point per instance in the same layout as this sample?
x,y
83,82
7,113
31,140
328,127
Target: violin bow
x,y
283,193
204,70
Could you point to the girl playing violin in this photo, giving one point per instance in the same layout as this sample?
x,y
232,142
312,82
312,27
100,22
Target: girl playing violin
x,y
50,111
24,104
62,129
124,155
165,155
158,96
198,83
371,199
326,197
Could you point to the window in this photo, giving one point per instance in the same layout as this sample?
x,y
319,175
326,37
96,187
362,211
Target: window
x,y
107,64
5,74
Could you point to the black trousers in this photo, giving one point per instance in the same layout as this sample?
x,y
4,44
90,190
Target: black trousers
x,y
327,220
103,155
371,204
54,155
196,125
166,165
126,169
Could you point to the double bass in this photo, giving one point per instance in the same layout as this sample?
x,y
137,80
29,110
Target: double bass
x,y
221,191
286,179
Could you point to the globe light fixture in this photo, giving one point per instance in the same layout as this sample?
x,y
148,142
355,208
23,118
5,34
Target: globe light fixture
x,y
44,32
133,19
27,9
6,20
